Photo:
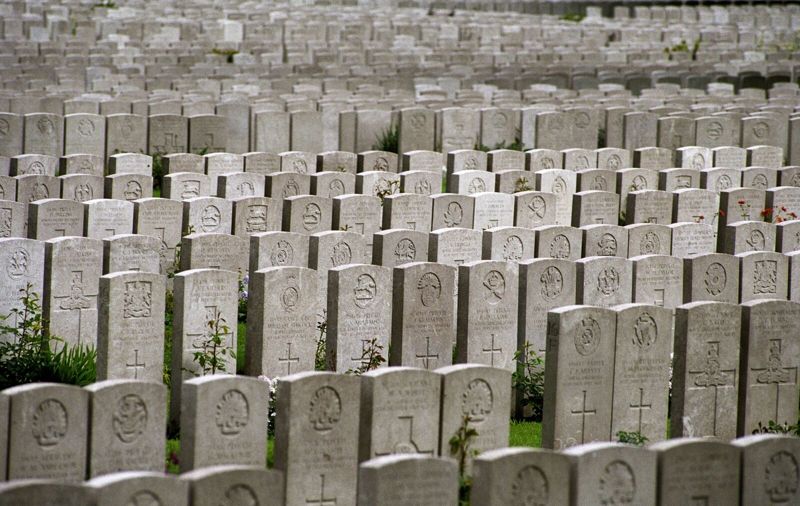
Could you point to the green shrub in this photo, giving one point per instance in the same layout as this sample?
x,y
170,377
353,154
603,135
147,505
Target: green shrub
x,y
388,140
632,438
528,380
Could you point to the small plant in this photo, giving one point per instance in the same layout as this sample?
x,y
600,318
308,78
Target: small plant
x,y
744,209
777,215
528,379
202,151
388,140
522,185
158,171
773,427
632,438
212,355
227,53
169,311
389,188
460,449
272,384
105,4
319,355
574,17
244,282
513,146
371,358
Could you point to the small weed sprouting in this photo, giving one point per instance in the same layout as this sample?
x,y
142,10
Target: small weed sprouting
x,y
371,358
528,379
212,355
461,449
388,140
632,438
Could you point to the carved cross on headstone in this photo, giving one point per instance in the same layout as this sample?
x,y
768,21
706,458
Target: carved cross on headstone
x,y
583,412
363,360
408,445
640,407
289,359
76,300
136,365
658,295
412,225
321,500
712,376
491,350
775,374
427,356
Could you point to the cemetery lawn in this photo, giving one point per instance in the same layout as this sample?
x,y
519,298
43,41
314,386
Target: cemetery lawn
x,y
525,433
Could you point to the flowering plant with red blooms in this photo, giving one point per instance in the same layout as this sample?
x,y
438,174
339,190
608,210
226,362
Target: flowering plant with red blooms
x,y
744,209
779,215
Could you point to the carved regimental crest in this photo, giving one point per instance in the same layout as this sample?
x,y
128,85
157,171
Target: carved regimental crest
x,y
325,409
381,163
471,163
6,220
639,183
138,299
781,478
144,498
256,219
477,400
18,263
210,219
190,189
365,291
5,127
290,295
86,127
476,185
430,288
537,209
45,126
587,336
756,241
715,279
36,167
240,495
282,253
650,244
495,285
513,249
341,254
617,484
608,281
552,282
418,120
40,192
336,188
453,215
548,163
300,166
49,423
698,161
560,247
723,183
759,181
614,162
129,420
761,130
423,187
232,413
530,488
765,276
645,331
714,130
312,216
83,192
607,245
559,188
290,189
405,250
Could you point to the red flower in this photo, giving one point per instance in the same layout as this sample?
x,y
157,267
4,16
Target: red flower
x,y
702,217
778,220
793,215
722,213
741,202
783,208
766,211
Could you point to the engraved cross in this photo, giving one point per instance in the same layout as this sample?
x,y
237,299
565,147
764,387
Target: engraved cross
x,y
136,365
491,350
640,407
289,359
427,356
322,500
583,411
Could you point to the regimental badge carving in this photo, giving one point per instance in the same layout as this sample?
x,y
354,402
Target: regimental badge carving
x,y
796,179
282,253
453,215
765,277
698,161
715,278
381,163
714,130
559,188
430,288
312,216
405,250
144,498
552,282
607,245
587,336
756,241
608,281
84,192
240,495
471,163
650,244
36,167
336,188
548,163
614,162
40,192
365,290
86,127
256,219
683,182
190,189
761,130
18,262
723,183
513,249
290,189
300,165
138,299
45,126
129,420
781,478
6,220
325,409
477,401
232,413
495,285
245,189
775,372
291,295
383,187
49,423
210,219
639,183
560,247
759,181
582,119
418,120
617,484
582,162
477,185
499,120
341,254
712,373
645,331
537,209
599,183
530,488
423,187
76,299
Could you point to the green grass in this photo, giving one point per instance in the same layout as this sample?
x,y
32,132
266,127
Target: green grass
x,y
525,433
241,330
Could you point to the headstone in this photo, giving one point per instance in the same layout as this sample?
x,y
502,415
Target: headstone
x,y
130,163
24,261
422,182
415,129
252,215
163,219
307,214
360,214
604,281
128,187
281,323
168,134
316,443
129,423
136,487
233,185
236,433
44,134
333,184
126,133
426,481
562,184
214,485
207,214
41,165
409,211
281,185
534,209
706,370
278,249
763,275
214,251
692,239
32,187
207,134
396,247
452,210
44,493
766,459
82,187
454,246
711,277
106,217
511,244
658,280
49,218
399,412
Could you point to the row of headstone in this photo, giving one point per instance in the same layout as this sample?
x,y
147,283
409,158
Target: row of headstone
x,y
750,471
733,371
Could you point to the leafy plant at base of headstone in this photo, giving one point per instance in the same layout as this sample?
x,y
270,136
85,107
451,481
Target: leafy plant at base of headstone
x,y
244,282
522,185
371,358
272,384
774,427
460,449
632,438
528,380
28,356
227,53
770,215
202,151
388,140
211,357
169,311
573,16
391,188
319,354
